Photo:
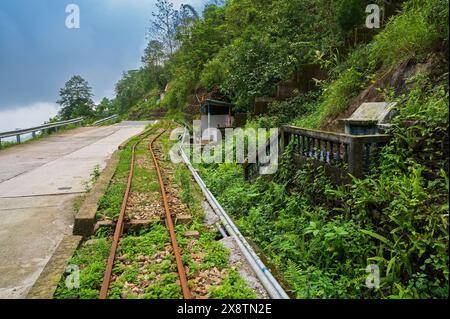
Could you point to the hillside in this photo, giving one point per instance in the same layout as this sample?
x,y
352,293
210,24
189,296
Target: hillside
x,y
321,236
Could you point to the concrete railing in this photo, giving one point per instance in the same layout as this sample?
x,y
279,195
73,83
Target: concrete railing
x,y
252,170
33,130
345,152
110,118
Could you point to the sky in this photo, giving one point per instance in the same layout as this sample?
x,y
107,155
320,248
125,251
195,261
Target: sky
x,y
38,53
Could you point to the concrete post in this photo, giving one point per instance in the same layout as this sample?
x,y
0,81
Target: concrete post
x,y
355,160
282,140
18,138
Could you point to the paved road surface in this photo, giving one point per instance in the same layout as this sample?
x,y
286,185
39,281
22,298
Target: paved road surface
x,y
38,184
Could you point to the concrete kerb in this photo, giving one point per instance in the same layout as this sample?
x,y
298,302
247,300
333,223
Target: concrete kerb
x,y
45,286
47,283
85,219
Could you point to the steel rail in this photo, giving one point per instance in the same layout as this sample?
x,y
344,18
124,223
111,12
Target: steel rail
x,y
107,119
40,128
119,226
169,222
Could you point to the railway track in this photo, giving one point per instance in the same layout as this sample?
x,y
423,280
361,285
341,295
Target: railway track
x,y
119,229
155,238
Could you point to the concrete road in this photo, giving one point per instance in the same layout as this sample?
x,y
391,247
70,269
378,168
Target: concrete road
x,y
39,182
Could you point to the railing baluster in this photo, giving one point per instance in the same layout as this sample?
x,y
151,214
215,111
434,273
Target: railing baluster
x,y
306,146
367,156
346,153
331,153
300,144
338,154
305,149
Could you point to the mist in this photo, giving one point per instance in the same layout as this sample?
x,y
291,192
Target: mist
x,y
27,116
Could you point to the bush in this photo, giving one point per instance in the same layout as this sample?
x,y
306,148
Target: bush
x,y
412,34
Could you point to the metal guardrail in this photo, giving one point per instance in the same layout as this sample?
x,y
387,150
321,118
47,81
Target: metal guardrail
x,y
269,282
110,118
33,130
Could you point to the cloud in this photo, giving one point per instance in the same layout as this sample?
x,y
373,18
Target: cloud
x,y
27,115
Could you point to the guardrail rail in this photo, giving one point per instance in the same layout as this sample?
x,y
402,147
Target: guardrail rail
x,y
33,130
107,119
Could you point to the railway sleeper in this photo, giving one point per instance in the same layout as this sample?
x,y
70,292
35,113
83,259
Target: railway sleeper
x,y
129,226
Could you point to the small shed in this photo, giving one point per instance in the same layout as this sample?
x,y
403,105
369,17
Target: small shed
x,y
370,118
216,114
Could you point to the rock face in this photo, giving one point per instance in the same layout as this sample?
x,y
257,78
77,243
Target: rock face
x,y
397,79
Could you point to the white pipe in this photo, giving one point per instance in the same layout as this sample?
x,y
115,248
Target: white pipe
x,y
262,272
221,230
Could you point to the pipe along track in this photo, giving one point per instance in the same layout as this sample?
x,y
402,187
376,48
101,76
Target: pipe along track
x,y
272,286
169,223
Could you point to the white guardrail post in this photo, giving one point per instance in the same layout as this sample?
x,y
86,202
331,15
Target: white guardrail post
x,y
271,285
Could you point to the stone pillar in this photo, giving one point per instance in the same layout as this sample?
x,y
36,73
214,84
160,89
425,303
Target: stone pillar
x,y
356,157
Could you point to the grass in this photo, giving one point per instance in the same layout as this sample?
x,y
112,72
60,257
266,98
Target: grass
x,y
110,202
145,261
321,236
91,260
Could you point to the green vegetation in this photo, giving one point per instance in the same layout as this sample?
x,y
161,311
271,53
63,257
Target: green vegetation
x,y
91,260
75,99
110,202
320,236
145,267
233,287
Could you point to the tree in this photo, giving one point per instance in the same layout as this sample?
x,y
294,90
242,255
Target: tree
x,y
105,108
188,15
218,3
153,54
75,98
350,14
164,25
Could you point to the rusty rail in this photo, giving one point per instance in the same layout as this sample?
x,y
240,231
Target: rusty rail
x,y
120,224
119,227
169,222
